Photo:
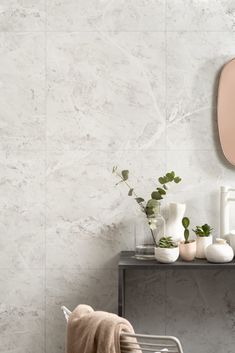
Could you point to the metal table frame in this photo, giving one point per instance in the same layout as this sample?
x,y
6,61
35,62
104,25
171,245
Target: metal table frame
x,y
127,261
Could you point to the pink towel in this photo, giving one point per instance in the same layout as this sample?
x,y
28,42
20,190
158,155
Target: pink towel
x,y
90,331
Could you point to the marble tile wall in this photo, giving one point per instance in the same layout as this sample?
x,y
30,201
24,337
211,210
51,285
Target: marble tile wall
x,y
85,85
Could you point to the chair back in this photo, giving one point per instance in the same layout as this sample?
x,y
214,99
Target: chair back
x,y
144,343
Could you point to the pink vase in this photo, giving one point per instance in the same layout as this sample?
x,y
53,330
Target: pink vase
x,y
188,251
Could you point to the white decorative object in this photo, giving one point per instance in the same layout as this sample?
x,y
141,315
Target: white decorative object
x,y
219,252
232,239
225,199
167,255
174,226
202,243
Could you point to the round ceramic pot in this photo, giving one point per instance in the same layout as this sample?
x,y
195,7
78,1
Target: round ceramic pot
x,y
201,244
187,251
167,255
219,252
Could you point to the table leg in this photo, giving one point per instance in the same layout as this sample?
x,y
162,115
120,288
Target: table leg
x,y
121,292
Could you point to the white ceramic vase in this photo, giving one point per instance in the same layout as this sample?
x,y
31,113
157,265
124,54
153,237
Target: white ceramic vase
x,y
220,252
167,255
202,243
174,226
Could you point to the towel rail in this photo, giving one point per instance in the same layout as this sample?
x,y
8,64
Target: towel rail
x,y
146,343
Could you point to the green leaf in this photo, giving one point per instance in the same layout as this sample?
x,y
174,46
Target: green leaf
x,y
203,231
151,207
206,229
139,199
130,192
114,169
166,242
186,235
185,222
152,203
156,195
161,180
150,211
177,180
170,176
161,191
125,174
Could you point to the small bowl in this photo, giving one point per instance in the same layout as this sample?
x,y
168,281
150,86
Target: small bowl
x,y
166,255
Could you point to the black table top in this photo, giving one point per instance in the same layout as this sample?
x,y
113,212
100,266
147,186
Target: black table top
x,y
128,261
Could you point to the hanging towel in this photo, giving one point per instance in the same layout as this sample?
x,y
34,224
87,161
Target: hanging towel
x,y
90,331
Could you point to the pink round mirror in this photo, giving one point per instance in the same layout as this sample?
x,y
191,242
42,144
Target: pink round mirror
x,y
226,111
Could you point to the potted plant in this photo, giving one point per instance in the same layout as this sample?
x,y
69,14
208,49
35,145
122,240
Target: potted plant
x,y
166,251
187,247
204,239
146,241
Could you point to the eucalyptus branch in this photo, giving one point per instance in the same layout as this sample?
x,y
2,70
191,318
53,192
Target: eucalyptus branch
x,y
149,207
124,177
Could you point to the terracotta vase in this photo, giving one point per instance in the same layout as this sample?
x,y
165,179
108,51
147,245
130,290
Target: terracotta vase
x,y
188,251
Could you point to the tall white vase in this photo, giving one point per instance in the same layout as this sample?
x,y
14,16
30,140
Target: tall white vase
x,y
174,226
202,244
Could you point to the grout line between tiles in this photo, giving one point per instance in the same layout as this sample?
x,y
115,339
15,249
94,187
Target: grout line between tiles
x,y
45,184
121,31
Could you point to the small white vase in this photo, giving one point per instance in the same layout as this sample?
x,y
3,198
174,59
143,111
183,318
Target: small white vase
x,y
202,243
167,255
174,226
220,252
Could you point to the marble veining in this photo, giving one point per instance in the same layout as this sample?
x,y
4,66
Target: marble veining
x,y
85,85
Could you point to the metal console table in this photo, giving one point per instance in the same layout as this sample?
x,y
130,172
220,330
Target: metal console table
x,y
127,261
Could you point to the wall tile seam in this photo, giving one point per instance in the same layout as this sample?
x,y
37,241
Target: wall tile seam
x,y
116,31
45,186
10,151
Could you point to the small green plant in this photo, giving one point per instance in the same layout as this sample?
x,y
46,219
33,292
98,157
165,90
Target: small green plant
x,y
148,207
203,231
185,223
167,243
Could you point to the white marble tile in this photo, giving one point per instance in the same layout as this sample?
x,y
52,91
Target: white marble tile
x,y
206,15
97,288
22,206
22,311
193,64
122,15
89,219
106,91
22,91
146,301
18,15
200,310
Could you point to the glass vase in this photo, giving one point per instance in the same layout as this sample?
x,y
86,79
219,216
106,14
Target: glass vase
x,y
148,231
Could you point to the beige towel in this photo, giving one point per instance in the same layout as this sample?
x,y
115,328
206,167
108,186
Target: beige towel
x,y
90,331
